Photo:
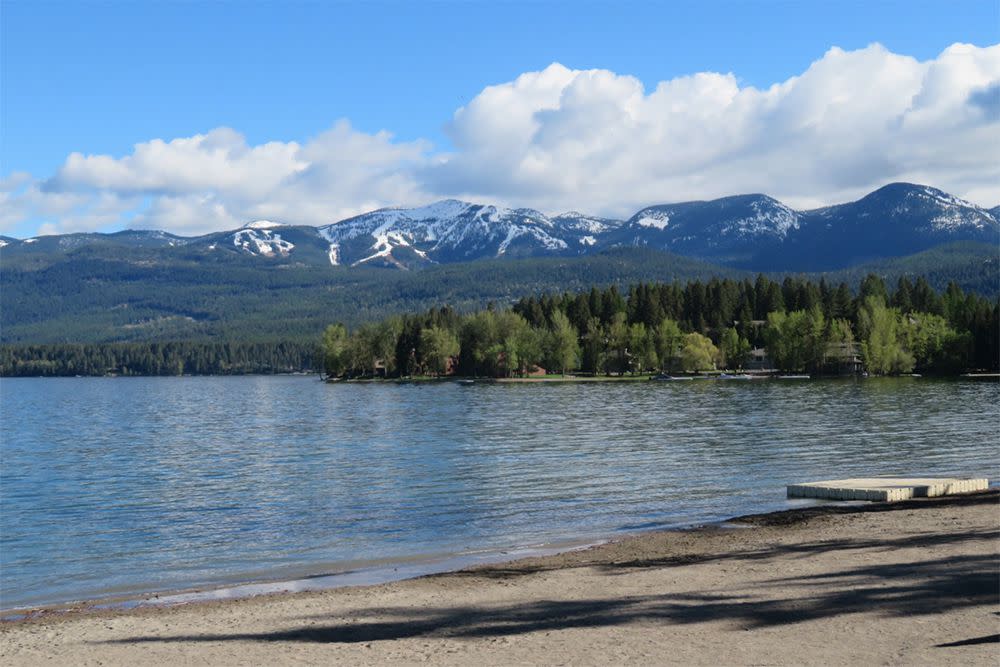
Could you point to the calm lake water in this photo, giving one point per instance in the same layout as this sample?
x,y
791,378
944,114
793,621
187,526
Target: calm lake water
x,y
128,485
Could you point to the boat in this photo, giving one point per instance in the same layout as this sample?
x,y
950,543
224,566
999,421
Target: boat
x,y
728,376
465,382
793,377
671,378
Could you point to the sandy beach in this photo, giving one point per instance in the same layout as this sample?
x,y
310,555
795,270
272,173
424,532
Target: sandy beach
x,y
904,583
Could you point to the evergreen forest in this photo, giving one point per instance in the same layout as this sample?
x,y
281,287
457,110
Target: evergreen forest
x,y
157,359
801,326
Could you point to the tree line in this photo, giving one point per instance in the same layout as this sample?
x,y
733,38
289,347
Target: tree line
x,y
186,358
803,326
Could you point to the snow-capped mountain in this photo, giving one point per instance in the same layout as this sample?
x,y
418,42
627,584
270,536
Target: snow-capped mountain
x,y
897,219
912,208
581,232
746,231
261,241
446,231
730,229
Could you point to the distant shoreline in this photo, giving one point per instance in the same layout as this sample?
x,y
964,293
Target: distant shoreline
x,y
720,375
554,378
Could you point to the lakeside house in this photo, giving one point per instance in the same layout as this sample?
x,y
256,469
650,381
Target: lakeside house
x,y
758,361
842,359
839,359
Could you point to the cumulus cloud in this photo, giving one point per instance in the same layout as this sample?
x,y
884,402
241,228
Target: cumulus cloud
x,y
599,141
217,181
591,140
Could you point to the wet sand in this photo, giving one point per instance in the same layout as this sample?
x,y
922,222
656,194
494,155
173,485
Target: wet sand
x,y
913,582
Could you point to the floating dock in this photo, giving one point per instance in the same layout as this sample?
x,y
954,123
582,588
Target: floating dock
x,y
886,488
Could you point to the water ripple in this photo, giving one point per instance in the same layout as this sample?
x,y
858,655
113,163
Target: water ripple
x,y
145,484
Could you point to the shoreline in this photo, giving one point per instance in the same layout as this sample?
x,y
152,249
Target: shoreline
x,y
367,574
377,572
876,583
455,564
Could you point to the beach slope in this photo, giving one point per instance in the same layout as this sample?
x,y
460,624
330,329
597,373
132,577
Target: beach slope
x,y
913,582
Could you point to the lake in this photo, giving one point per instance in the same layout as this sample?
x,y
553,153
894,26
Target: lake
x,y
120,486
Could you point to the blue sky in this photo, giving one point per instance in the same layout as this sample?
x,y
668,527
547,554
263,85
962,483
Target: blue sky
x,y
100,77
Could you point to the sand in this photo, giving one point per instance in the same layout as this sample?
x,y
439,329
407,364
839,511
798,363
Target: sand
x,y
906,583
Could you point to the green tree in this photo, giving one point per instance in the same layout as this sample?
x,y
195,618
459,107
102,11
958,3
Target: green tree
x,y
734,348
881,348
335,358
437,347
796,341
839,343
362,351
618,340
902,298
564,349
842,303
642,350
667,338
518,346
387,334
873,286
592,352
698,353
935,346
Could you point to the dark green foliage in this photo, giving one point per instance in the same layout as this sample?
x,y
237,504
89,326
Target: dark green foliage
x,y
93,294
86,297
158,359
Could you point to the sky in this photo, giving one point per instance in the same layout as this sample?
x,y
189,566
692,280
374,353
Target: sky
x,y
199,116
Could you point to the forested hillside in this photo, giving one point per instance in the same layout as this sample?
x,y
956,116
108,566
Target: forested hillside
x,y
95,294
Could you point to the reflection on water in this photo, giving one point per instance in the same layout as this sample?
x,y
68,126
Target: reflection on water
x,y
137,484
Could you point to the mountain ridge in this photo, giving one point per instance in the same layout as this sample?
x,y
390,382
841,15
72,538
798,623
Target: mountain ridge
x,y
749,231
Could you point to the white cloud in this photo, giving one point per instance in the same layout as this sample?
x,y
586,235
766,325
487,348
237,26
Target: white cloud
x,y
217,181
22,198
560,138
597,141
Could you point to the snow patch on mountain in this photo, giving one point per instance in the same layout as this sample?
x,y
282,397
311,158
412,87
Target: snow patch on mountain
x,y
579,222
945,198
653,219
261,242
385,243
262,224
769,217
955,213
442,210
588,240
954,219
517,231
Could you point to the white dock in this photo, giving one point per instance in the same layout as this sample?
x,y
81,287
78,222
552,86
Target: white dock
x,y
886,488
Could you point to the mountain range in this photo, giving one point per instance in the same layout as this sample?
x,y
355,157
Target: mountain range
x,y
753,232
273,282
